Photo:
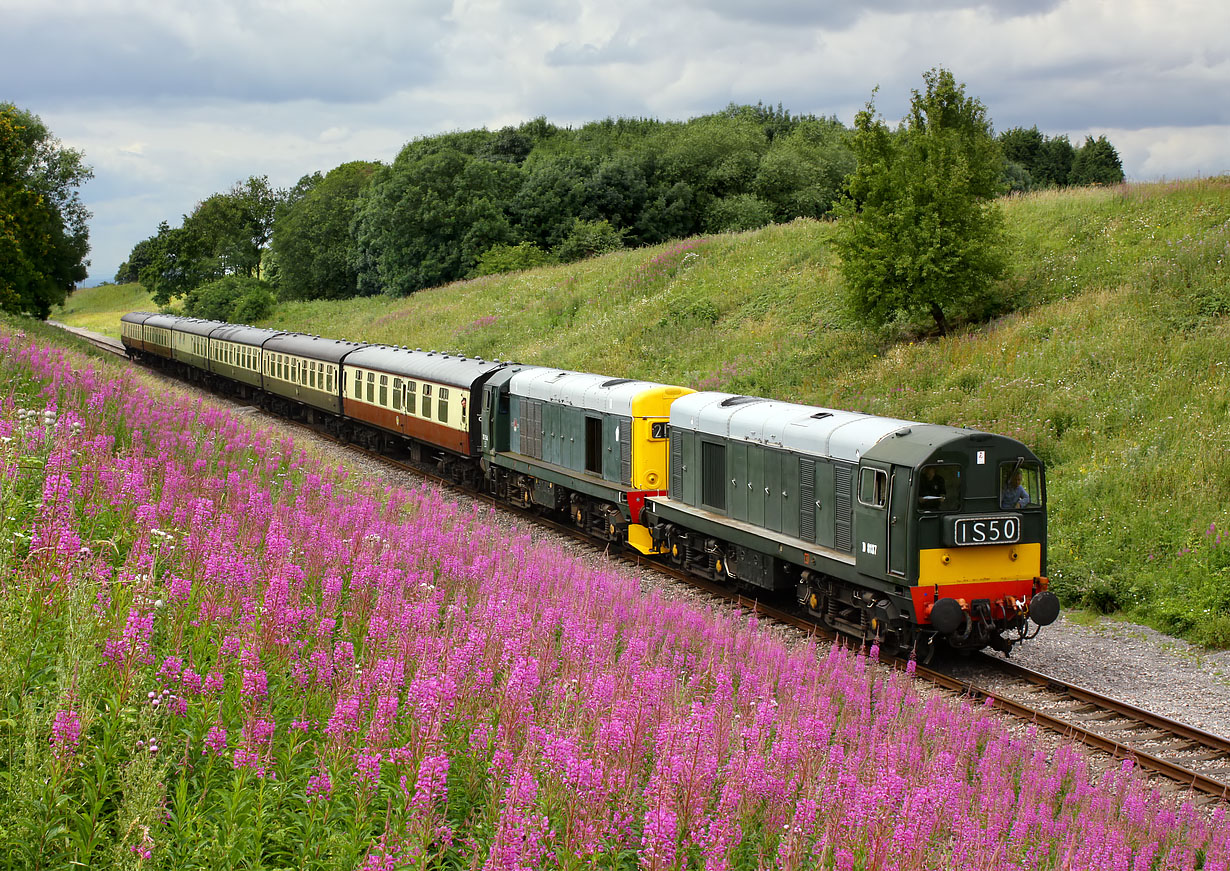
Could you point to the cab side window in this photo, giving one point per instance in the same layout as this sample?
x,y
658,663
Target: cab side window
x,y
872,487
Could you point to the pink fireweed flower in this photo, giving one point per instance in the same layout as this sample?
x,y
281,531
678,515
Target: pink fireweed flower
x,y
255,685
367,768
215,741
320,786
65,734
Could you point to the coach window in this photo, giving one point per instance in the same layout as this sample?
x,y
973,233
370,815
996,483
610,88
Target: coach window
x,y
872,487
427,401
442,405
411,387
358,384
371,387
397,389
384,391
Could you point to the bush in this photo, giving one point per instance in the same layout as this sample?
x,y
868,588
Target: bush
x,y
234,298
736,213
588,239
510,258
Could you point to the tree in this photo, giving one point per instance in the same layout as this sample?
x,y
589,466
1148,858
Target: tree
x,y
234,228
44,238
425,220
920,233
175,263
1096,162
312,242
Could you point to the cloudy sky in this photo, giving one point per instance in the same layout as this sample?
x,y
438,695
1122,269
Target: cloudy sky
x,y
172,101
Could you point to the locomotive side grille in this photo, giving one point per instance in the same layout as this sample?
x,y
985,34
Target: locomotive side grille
x,y
807,499
531,428
625,451
843,474
676,465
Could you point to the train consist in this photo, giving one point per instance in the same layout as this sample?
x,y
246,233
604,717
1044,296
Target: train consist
x,y
905,533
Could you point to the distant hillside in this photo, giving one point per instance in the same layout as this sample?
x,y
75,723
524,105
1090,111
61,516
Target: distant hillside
x,y
1113,369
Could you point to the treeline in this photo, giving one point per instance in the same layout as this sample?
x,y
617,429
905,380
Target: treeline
x,y
476,202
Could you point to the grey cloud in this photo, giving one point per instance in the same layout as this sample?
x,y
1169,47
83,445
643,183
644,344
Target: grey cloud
x,y
841,14
265,57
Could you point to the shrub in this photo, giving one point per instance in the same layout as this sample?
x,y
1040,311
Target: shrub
x,y
588,239
232,298
510,258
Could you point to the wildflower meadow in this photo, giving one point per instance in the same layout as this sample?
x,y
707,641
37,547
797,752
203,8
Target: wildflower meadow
x,y
219,653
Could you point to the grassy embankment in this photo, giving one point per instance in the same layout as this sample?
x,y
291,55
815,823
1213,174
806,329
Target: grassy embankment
x,y
1114,369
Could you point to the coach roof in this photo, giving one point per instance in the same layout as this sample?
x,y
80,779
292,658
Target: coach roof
x,y
447,369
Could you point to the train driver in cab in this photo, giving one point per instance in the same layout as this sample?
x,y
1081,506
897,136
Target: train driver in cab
x,y
1014,495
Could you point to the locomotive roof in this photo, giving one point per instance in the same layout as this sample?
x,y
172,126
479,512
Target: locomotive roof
x,y
242,335
312,347
448,369
197,326
583,390
826,432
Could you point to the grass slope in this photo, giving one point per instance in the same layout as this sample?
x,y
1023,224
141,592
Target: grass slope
x,y
1114,368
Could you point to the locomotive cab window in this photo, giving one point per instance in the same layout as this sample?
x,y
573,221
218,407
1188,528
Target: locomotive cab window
x,y
872,487
1020,485
939,487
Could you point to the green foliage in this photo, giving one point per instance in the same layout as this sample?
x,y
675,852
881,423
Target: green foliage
x,y
922,235
44,238
232,229
174,263
1096,162
234,298
589,239
425,220
312,243
737,212
511,258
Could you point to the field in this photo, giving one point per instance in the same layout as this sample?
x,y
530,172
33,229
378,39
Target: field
x,y
220,653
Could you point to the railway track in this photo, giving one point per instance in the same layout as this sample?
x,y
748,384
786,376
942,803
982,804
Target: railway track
x,y
1188,757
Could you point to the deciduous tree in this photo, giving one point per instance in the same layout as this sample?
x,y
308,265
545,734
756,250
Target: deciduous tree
x,y
920,233
44,238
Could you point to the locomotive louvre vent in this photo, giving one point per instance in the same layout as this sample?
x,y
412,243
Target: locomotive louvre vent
x,y
614,382
731,401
